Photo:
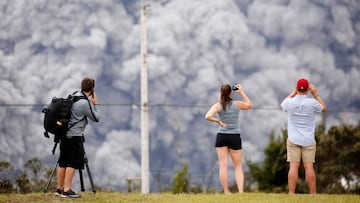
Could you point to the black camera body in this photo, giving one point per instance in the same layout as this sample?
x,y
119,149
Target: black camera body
x,y
234,88
92,92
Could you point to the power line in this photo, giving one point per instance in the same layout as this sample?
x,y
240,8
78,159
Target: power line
x,y
174,105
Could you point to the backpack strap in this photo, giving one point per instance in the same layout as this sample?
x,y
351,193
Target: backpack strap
x,y
92,113
91,110
75,99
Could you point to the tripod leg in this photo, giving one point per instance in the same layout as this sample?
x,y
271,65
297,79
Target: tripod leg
x,y
90,177
54,148
51,177
81,180
88,169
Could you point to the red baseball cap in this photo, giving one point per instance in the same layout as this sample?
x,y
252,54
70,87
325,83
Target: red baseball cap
x,y
302,84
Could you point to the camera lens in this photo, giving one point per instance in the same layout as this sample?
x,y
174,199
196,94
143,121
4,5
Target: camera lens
x,y
234,87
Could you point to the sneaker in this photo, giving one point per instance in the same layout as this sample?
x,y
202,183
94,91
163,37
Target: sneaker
x,y
58,192
70,194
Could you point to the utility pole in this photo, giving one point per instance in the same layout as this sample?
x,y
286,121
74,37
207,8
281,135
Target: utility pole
x,y
145,188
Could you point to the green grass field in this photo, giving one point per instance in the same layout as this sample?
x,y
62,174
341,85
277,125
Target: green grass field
x,y
181,198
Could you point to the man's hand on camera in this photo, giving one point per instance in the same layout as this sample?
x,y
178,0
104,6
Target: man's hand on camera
x,y
313,90
293,93
94,99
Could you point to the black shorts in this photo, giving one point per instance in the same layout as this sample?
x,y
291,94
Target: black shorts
x,y
233,141
71,153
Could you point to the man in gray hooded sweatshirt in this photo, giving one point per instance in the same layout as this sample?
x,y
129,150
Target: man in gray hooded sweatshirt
x,y
71,147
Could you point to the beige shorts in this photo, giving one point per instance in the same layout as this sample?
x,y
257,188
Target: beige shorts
x,y
296,152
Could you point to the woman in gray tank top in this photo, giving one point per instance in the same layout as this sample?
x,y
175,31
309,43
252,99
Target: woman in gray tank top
x,y
228,140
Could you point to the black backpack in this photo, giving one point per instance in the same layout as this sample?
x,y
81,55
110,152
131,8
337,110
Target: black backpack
x,y
57,116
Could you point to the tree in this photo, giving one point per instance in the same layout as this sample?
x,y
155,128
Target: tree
x,y
34,170
31,178
271,177
23,183
337,160
336,164
182,180
6,185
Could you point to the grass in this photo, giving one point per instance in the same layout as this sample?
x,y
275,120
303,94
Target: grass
x,y
182,198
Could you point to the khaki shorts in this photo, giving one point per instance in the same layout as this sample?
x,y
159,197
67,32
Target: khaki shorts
x,y
296,152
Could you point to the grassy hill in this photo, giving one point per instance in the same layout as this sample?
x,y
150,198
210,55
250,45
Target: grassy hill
x,y
182,198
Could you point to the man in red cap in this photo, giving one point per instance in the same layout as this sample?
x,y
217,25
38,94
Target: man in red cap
x,y
301,144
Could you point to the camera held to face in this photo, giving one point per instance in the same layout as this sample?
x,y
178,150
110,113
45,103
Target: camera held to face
x,y
93,84
234,88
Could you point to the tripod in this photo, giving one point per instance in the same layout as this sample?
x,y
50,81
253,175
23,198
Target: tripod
x,y
80,172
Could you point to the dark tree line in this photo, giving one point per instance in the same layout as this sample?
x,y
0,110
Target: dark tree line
x,y
34,177
31,179
337,162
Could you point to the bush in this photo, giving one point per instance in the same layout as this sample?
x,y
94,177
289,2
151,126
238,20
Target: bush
x,y
181,180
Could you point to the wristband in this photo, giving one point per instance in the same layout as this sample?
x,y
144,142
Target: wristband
x,y
316,95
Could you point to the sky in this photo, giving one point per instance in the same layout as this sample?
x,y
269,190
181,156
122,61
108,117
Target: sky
x,y
194,46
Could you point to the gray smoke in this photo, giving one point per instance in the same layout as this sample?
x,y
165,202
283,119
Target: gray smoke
x,y
46,48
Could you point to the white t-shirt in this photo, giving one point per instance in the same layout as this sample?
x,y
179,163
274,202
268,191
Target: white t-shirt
x,y
301,119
